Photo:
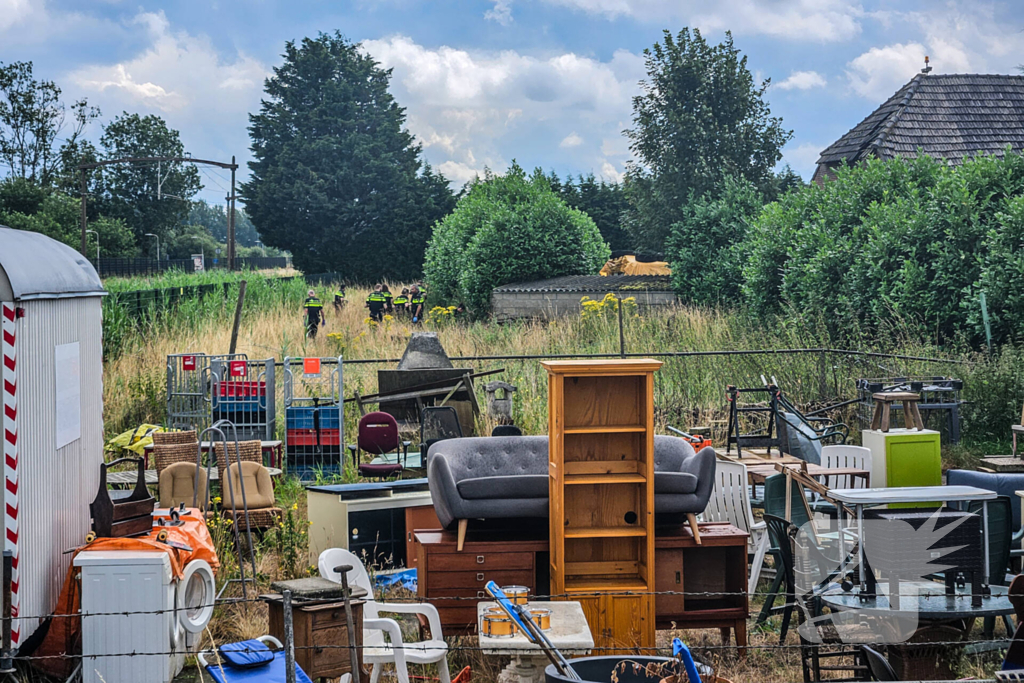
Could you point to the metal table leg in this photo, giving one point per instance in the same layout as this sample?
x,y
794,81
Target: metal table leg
x,y
859,509
984,521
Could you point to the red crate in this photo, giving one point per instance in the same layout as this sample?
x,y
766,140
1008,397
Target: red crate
x,y
307,437
242,389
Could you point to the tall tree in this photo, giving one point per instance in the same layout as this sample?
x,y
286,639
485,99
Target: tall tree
x,y
214,218
129,191
32,116
604,202
700,117
336,179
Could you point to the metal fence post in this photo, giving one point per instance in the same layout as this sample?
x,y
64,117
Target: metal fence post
x,y
6,662
289,639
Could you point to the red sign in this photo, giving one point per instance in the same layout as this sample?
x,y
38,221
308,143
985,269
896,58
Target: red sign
x,y
238,368
311,367
188,363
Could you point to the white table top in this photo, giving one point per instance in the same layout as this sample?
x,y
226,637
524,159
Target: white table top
x,y
911,494
569,630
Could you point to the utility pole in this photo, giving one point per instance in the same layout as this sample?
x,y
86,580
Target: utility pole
x,y
231,218
83,217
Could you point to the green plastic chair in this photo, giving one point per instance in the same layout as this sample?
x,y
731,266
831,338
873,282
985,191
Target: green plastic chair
x,y
1000,534
775,506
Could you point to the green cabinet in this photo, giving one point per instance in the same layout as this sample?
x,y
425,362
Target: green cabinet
x,y
904,457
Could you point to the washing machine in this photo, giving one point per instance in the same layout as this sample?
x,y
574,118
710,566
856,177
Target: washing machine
x,y
137,620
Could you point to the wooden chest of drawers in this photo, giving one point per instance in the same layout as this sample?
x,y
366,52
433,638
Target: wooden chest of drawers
x,y
453,581
321,634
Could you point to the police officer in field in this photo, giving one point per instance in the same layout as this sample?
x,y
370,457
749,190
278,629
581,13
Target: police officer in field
x,y
339,297
401,303
417,303
389,308
376,303
314,312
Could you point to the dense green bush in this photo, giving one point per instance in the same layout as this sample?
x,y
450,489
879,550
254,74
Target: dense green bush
x,y
508,228
904,240
706,247
994,391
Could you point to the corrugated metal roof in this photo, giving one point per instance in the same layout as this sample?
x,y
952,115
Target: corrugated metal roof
x,y
39,267
947,116
590,283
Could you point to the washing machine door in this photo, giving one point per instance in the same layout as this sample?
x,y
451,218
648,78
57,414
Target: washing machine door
x,y
195,596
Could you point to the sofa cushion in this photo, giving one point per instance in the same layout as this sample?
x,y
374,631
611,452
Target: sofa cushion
x,y
504,486
675,482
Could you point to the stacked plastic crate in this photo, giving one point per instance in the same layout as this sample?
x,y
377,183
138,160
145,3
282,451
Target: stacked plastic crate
x,y
243,394
241,402
314,440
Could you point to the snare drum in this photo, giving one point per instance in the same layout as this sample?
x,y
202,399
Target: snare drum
x,y
517,595
497,624
541,617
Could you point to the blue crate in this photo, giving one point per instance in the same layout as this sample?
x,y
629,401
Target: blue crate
x,y
301,417
247,406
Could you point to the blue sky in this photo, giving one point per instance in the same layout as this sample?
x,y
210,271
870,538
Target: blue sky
x,y
547,82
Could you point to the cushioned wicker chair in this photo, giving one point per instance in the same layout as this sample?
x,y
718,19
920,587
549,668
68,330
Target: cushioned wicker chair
x,y
165,455
178,485
175,438
251,451
259,496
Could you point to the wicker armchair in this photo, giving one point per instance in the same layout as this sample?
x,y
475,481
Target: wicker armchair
x,y
259,496
175,438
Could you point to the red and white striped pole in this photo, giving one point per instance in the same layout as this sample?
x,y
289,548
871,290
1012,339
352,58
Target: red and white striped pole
x,y
8,314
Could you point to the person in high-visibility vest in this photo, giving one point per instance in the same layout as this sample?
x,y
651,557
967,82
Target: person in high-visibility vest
x,y
388,300
339,297
417,303
401,303
376,302
314,312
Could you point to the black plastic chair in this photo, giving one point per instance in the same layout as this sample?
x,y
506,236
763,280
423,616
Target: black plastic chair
x,y
437,423
506,430
878,665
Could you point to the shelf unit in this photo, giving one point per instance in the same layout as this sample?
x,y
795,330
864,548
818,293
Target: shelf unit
x,y
601,485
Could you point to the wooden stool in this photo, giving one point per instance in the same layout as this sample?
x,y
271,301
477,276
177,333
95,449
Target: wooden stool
x,y
883,402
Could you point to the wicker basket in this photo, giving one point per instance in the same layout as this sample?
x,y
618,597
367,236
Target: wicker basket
x,y
175,438
251,451
263,518
165,455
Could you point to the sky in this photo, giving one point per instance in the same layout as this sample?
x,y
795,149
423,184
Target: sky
x,y
548,83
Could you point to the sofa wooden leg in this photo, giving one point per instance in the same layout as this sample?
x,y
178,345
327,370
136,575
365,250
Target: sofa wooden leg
x,y
463,523
692,519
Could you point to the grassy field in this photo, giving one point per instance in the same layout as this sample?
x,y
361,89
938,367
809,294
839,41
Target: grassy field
x,y
690,391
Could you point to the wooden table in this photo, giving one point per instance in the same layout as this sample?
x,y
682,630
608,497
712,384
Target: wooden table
x,y
758,473
569,633
273,451
129,477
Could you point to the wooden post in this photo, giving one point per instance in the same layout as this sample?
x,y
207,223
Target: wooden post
x,y
238,316
289,638
351,624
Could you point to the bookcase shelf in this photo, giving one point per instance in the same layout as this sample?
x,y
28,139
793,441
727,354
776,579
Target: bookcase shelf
x,y
601,447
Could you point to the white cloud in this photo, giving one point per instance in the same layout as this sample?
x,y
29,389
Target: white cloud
x,y
571,140
881,71
610,173
803,80
804,157
464,105
501,12
805,20
14,12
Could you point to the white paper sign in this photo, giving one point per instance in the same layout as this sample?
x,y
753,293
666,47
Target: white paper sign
x,y
68,393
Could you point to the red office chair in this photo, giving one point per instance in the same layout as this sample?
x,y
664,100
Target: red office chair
x,y
378,434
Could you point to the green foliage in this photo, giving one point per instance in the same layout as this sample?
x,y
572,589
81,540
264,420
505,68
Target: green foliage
x,y
32,116
897,242
129,191
214,218
706,248
336,179
506,229
604,202
699,119
994,391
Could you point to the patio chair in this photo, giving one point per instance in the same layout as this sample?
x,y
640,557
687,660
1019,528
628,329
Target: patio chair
x,y
843,456
506,430
437,423
258,492
177,485
878,665
730,502
378,649
378,435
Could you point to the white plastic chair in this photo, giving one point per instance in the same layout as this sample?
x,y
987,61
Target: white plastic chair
x,y
377,649
730,502
846,456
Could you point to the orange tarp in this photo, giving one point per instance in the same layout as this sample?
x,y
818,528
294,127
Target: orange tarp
x,y
64,629
628,265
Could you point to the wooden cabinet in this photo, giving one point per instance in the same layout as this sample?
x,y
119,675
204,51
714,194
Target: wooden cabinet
x,y
454,581
601,487
711,579
321,634
421,517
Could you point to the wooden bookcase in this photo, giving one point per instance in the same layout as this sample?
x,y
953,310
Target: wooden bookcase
x,y
601,469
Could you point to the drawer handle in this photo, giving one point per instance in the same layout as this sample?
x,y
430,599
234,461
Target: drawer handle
x,y
480,594
480,576
479,559
335,615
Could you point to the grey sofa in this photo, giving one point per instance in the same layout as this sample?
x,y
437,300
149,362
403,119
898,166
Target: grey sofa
x,y
507,477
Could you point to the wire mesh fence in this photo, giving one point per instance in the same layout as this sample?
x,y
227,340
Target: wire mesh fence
x,y
132,267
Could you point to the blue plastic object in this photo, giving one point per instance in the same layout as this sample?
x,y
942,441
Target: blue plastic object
x,y
406,579
270,672
246,654
680,651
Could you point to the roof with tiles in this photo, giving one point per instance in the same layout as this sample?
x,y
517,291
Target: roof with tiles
x,y
590,283
948,116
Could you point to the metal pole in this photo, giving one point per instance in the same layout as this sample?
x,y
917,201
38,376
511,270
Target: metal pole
x,y
83,217
6,662
231,219
289,639
238,316
622,337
